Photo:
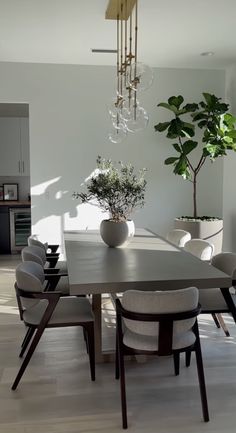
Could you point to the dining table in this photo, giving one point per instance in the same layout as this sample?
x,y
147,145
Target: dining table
x,y
146,262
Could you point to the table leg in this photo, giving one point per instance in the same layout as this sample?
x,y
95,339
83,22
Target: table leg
x,y
97,311
100,356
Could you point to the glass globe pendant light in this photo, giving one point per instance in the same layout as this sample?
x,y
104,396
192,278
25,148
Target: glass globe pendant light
x,y
132,76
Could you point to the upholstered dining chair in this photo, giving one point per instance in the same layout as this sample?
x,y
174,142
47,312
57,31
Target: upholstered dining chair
x,y
53,258
33,240
161,323
55,277
178,237
200,248
43,310
212,300
204,250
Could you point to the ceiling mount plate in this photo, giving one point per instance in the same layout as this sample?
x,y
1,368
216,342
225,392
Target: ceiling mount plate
x,y
118,7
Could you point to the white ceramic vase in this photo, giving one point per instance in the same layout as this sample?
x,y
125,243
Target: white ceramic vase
x,y
115,234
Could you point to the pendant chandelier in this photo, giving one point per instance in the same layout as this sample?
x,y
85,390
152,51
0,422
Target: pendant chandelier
x,y
132,77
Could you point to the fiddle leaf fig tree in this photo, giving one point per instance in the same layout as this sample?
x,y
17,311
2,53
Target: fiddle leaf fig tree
x,y
211,118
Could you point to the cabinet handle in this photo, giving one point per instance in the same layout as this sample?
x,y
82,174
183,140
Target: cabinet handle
x,y
23,166
19,166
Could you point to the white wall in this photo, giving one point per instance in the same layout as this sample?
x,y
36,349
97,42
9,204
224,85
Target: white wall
x,y
68,129
229,178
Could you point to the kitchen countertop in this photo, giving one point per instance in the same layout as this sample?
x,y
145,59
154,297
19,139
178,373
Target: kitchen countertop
x,y
15,203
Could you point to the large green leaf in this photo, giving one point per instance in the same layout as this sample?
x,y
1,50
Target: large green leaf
x,y
188,146
199,116
161,126
176,101
170,160
168,107
231,134
229,120
181,168
188,129
190,107
175,128
177,147
210,99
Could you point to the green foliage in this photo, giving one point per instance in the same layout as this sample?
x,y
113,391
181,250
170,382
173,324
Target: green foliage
x,y
217,127
117,188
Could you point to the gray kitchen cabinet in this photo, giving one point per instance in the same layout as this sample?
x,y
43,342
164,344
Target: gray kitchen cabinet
x,y
14,146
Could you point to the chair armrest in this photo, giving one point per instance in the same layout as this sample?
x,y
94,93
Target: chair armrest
x,y
53,276
52,271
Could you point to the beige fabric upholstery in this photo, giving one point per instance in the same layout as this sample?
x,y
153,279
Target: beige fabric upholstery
x,y
147,342
30,277
200,248
212,299
144,335
178,237
33,241
34,254
68,310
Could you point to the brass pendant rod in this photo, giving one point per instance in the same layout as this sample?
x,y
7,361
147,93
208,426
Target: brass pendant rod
x,y
136,33
135,59
125,63
121,50
117,57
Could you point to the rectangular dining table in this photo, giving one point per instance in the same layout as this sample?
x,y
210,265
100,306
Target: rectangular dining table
x,y
147,262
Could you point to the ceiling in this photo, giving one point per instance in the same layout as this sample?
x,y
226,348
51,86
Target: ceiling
x,y
172,33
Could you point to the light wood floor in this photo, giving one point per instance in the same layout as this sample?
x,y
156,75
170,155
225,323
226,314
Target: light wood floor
x,y
57,396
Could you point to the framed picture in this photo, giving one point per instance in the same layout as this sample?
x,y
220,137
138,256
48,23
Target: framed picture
x,y
1,192
10,191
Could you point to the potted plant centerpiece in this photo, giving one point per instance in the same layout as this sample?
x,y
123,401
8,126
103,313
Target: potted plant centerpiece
x,y
118,190
211,118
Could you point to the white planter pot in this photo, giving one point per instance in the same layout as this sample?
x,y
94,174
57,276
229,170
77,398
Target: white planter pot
x,y
211,231
115,234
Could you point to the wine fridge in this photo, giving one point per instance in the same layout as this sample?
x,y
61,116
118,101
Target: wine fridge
x,y
20,228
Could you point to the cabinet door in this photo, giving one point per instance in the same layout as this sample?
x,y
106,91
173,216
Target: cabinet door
x,y
24,139
10,157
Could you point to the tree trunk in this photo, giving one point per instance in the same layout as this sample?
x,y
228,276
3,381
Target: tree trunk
x,y
195,195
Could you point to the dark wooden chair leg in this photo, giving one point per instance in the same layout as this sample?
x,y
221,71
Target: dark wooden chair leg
x,y
215,320
26,341
26,336
122,388
201,376
176,356
86,339
223,325
28,357
188,358
117,371
91,349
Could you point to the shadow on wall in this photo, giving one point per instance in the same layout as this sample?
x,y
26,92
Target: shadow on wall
x,y
54,210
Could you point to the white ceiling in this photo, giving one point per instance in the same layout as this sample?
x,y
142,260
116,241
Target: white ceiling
x,y
172,33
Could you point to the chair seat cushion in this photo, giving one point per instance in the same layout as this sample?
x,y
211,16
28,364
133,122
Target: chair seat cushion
x,y
150,343
212,300
68,310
